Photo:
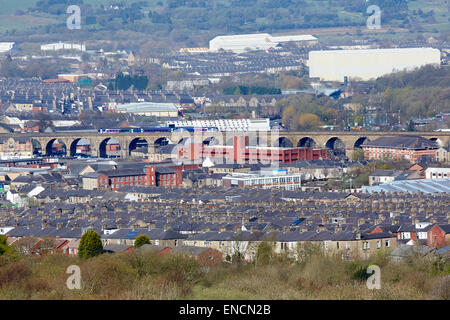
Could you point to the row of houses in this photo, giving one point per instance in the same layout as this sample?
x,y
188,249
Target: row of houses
x,y
224,245
232,221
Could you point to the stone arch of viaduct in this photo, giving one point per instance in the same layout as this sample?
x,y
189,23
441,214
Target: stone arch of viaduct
x,y
350,140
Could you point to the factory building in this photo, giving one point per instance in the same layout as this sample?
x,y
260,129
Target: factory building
x,y
241,152
265,179
150,176
411,148
258,41
7,46
368,64
149,109
63,46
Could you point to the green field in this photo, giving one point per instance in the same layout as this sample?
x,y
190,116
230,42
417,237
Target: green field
x,y
8,22
326,19
11,6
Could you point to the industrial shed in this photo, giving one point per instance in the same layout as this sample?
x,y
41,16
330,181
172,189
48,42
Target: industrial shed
x,y
7,46
150,109
367,64
257,41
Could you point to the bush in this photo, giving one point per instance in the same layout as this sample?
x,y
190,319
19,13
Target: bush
x,y
4,248
265,253
90,245
14,273
141,240
358,271
441,289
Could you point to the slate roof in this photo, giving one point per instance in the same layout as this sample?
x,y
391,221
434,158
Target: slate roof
x,y
402,142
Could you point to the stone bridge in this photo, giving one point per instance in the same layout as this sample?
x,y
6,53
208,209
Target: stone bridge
x,y
127,141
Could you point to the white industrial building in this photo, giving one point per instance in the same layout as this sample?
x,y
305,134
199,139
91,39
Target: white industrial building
x,y
437,173
6,46
226,124
265,179
335,65
63,46
258,41
149,109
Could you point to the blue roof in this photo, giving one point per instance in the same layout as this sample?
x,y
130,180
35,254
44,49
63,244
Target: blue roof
x,y
297,222
131,235
443,250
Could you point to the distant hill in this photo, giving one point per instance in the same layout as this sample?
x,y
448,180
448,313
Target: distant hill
x,y
193,22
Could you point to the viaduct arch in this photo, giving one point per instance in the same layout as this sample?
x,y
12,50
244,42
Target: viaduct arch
x,y
346,140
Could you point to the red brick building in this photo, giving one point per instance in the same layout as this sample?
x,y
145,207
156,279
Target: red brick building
x,y
439,236
148,176
411,148
19,147
241,152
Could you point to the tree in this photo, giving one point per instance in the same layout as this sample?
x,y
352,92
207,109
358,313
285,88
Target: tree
x,y
141,240
90,245
308,250
308,121
4,248
265,253
358,154
361,180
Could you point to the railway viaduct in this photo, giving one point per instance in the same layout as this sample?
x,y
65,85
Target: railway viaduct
x,y
127,141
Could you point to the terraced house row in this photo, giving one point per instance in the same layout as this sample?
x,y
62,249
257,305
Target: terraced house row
x,y
230,221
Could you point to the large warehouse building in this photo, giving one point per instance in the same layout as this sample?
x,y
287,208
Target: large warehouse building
x,y
258,41
149,109
63,46
335,65
6,46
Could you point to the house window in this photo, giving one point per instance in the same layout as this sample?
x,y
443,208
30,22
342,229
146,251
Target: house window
x,y
378,244
337,245
386,243
366,245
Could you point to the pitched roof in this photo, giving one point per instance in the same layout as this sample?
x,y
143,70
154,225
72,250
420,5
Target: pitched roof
x,y
402,142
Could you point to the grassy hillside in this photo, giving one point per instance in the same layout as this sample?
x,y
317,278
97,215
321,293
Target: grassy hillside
x,y
194,22
10,7
153,276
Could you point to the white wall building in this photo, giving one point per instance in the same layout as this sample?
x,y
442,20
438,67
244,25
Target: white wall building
x,y
335,65
422,232
437,173
63,46
257,41
265,179
149,109
6,46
